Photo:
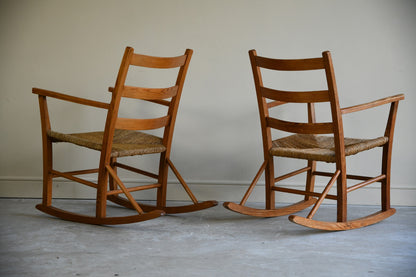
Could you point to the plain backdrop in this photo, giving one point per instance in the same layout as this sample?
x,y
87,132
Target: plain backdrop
x,y
76,47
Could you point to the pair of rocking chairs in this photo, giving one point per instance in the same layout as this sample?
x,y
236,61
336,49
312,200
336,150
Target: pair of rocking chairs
x,y
124,137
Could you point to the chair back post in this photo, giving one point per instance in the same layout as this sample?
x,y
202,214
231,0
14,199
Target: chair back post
x,y
265,130
46,150
315,141
115,104
338,138
109,132
174,105
387,150
169,128
262,104
310,177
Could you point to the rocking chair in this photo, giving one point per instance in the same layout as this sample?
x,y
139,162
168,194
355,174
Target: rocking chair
x,y
312,141
121,137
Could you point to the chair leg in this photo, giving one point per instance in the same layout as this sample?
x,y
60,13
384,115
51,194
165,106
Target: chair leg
x,y
269,176
342,196
385,184
47,177
163,181
310,179
111,182
101,204
101,201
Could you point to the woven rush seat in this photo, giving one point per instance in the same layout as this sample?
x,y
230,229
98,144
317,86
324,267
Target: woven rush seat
x,y
321,148
125,143
122,137
314,141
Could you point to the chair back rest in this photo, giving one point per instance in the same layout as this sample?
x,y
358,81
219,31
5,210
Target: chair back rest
x,y
169,96
279,97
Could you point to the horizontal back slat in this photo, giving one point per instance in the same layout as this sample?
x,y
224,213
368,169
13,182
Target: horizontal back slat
x,y
300,128
295,96
141,124
289,65
157,62
149,93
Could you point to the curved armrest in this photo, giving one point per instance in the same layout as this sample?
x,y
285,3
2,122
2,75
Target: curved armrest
x,y
373,104
65,97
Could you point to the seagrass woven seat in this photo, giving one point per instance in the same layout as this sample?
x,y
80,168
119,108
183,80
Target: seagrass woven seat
x,y
120,138
125,142
314,141
320,148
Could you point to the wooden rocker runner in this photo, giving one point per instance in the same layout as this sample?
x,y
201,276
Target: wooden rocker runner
x,y
315,141
121,137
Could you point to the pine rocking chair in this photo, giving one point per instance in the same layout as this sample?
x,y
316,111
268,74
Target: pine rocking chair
x,y
121,137
315,141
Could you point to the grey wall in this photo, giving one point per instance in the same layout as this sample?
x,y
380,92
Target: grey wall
x,y
76,46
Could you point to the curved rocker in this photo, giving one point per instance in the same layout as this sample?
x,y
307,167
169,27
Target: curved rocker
x,y
342,226
183,209
168,210
299,206
65,215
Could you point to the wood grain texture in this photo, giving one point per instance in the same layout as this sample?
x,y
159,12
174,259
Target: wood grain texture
x,y
65,215
289,64
70,98
300,128
270,212
342,226
142,124
373,104
311,127
109,185
157,62
295,96
149,93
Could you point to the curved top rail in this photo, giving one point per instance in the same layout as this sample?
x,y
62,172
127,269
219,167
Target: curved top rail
x,y
157,62
289,65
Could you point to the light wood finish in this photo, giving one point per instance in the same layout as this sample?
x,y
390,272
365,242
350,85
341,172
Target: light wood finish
x,y
304,130
158,62
300,128
289,64
295,96
270,212
168,210
69,98
345,225
131,94
149,93
141,124
324,194
65,215
109,186
373,104
182,181
253,184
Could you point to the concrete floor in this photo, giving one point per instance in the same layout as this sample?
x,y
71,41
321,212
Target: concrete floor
x,y
213,242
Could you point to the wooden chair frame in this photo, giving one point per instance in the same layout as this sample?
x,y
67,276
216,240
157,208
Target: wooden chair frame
x,y
109,186
335,127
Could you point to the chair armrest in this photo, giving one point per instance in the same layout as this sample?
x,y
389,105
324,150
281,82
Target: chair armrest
x,y
65,97
372,104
